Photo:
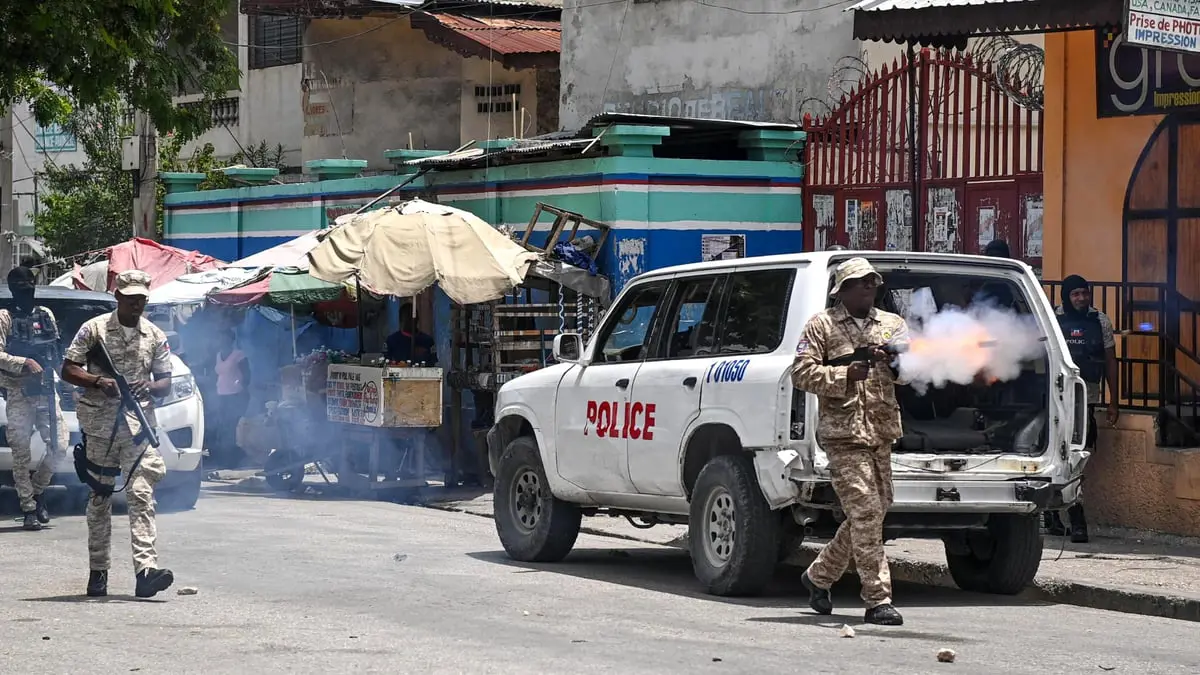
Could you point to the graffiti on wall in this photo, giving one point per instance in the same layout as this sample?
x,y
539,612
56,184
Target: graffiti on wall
x,y
740,104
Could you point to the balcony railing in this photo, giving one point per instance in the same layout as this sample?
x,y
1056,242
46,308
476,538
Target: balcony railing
x,y
226,112
1158,352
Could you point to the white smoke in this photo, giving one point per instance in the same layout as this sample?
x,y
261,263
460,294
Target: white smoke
x,y
961,345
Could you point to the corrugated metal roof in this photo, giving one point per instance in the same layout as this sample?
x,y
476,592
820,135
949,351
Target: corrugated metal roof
x,y
499,35
950,22
886,5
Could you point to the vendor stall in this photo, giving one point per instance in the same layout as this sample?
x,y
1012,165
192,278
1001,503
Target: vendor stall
x,y
379,415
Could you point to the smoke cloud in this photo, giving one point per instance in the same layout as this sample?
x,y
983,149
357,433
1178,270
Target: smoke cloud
x,y
962,345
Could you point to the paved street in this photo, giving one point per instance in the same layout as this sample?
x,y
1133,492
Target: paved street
x,y
321,585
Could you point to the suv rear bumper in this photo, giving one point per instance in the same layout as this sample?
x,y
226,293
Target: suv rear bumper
x,y
946,496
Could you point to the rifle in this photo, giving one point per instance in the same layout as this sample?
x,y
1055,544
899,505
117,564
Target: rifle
x,y
25,342
863,355
84,467
100,355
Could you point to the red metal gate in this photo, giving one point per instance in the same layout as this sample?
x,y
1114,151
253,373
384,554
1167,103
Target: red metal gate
x,y
980,176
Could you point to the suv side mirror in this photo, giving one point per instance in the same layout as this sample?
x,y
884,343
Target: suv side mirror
x,y
568,348
174,342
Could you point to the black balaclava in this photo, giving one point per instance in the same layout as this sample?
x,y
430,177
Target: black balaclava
x,y
998,248
1072,283
21,283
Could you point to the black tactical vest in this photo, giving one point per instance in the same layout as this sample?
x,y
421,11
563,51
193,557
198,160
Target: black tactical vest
x,y
1085,340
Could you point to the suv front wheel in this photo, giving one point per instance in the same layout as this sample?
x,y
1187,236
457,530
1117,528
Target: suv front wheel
x,y
733,536
534,525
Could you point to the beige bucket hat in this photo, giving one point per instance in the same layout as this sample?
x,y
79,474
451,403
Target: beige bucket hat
x,y
854,268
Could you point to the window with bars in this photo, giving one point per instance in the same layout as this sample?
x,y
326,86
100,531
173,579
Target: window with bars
x,y
276,40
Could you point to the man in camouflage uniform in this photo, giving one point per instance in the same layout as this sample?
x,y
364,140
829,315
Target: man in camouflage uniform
x,y
859,422
139,350
26,330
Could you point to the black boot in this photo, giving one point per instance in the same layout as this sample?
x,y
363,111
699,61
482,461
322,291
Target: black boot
x,y
43,514
31,522
1079,530
151,582
97,584
820,599
883,615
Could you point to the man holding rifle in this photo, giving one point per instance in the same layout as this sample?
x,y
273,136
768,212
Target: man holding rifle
x,y
845,359
29,352
112,352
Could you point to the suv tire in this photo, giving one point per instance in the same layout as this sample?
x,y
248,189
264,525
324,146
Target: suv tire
x,y
534,525
1003,560
732,533
183,495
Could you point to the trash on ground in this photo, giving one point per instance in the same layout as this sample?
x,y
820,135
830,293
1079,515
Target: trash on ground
x,y
946,655
847,631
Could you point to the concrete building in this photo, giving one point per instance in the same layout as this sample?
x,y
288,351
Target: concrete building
x,y
767,60
379,76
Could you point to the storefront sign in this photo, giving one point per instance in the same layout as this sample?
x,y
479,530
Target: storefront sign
x,y
1133,80
1164,24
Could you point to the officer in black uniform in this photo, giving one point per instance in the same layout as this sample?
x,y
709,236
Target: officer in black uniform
x,y
1089,334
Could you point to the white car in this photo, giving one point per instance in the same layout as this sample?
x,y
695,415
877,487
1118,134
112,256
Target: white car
x,y
180,414
681,409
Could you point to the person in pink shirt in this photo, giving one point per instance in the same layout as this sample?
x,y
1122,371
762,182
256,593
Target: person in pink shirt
x,y
233,397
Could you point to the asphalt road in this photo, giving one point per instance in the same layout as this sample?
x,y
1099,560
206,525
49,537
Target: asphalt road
x,y
321,585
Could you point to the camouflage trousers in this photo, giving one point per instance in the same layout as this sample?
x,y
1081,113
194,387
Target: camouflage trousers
x,y
140,497
22,419
862,479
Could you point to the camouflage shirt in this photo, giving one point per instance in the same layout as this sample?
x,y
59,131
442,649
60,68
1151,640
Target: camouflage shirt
x,y
138,355
861,414
12,368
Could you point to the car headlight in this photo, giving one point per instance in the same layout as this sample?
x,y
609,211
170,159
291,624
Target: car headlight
x,y
182,387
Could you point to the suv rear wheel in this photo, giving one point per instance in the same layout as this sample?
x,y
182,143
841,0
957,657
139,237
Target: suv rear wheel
x,y
1003,560
733,536
534,525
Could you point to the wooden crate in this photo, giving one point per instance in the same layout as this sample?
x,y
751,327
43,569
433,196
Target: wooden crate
x,y
412,397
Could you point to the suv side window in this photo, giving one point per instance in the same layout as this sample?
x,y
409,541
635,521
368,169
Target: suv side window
x,y
756,310
691,327
625,338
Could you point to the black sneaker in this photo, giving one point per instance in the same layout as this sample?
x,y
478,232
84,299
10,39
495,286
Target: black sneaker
x,y
820,599
151,582
97,584
883,615
43,514
31,522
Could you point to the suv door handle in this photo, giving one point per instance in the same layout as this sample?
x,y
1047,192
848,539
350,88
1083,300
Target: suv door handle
x,y
623,383
689,382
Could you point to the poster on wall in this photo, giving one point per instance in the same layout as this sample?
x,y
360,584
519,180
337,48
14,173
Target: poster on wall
x,y
1134,80
1033,227
987,225
941,225
722,247
1173,25
852,220
826,219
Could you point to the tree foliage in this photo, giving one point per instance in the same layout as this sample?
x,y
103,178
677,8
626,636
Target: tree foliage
x,y
90,207
145,52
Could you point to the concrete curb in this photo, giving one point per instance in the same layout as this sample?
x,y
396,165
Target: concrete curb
x,y
1057,591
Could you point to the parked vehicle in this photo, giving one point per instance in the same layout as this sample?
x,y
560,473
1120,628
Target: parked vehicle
x,y
180,414
663,419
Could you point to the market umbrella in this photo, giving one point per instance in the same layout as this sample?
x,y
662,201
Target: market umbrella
x,y
280,286
403,251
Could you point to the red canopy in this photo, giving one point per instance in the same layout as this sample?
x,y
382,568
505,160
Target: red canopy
x,y
163,263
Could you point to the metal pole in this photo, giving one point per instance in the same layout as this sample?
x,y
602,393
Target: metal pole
x,y
359,308
913,142
412,178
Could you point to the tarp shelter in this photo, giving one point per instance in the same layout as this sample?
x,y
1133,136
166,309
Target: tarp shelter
x,y
292,253
163,263
280,286
193,288
402,251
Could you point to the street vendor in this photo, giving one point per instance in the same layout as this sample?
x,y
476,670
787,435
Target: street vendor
x,y
409,344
